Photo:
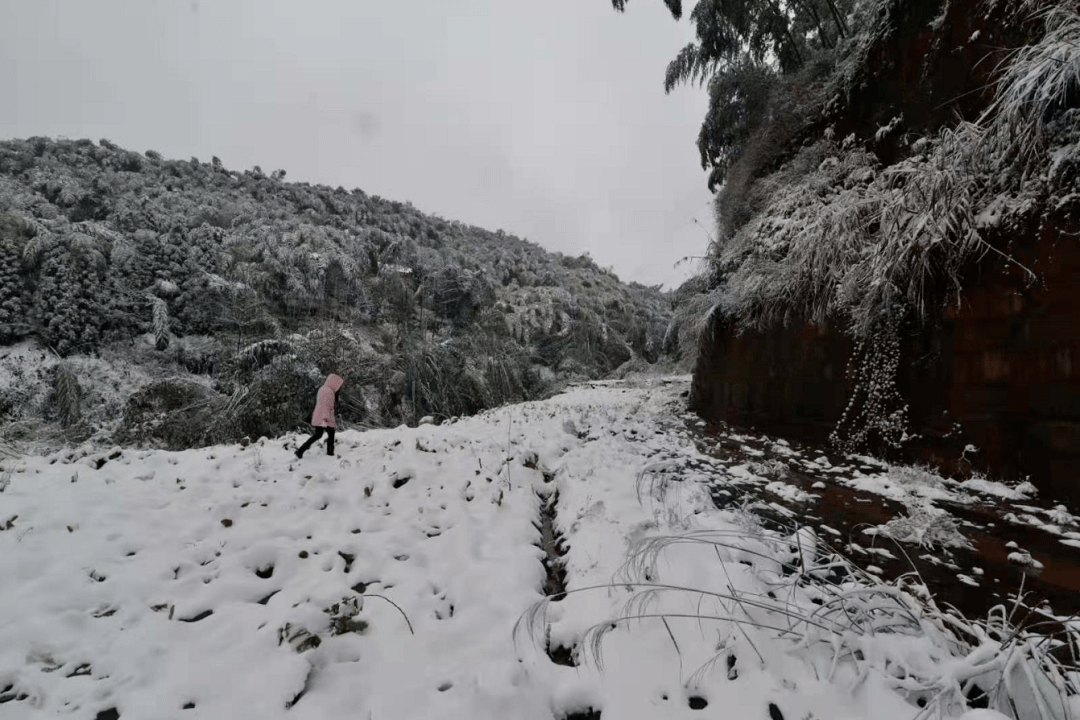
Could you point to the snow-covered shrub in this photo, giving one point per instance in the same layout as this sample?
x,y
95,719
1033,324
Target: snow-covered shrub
x,y
173,413
198,354
205,305
440,382
70,293
864,253
505,368
584,341
25,374
458,294
915,477
698,309
927,526
794,101
259,354
280,398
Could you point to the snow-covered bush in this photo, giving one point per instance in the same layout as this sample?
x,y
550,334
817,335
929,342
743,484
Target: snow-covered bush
x,y
915,476
70,293
927,526
1039,83
174,413
279,398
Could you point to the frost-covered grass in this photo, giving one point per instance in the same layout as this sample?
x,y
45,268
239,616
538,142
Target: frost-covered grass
x,y
927,526
735,602
28,381
838,237
1038,83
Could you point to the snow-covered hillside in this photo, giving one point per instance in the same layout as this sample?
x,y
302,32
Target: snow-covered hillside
x,y
401,580
204,286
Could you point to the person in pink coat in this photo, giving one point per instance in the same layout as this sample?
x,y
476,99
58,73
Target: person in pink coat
x,y
323,417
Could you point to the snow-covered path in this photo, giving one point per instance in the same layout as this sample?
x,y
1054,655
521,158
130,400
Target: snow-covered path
x,y
236,582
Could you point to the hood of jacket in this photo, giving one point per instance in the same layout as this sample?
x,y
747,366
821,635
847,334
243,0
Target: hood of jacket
x,y
334,382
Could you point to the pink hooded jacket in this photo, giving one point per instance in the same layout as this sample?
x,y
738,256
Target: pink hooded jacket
x,y
324,406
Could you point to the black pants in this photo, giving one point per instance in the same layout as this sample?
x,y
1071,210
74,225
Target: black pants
x,y
314,437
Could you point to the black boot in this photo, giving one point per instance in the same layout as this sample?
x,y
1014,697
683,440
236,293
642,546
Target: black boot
x,y
310,441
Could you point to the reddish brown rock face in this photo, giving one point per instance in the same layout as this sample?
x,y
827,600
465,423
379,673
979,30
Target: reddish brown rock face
x,y
1004,369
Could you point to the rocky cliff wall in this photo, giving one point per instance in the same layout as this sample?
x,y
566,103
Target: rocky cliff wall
x,y
1001,373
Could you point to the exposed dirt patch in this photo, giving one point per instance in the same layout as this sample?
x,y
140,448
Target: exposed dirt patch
x,y
201,616
561,655
9,694
266,599
586,714
303,690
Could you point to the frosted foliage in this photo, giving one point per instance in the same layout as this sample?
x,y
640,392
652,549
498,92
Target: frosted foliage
x,y
106,251
28,377
306,252
928,526
12,291
876,233
832,235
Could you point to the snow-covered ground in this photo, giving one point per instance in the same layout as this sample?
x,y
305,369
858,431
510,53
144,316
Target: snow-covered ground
x,y
395,581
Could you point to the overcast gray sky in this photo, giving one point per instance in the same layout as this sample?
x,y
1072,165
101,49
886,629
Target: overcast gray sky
x,y
545,118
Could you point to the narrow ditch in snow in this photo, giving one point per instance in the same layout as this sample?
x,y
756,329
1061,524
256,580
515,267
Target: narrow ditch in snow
x,y
551,542
554,547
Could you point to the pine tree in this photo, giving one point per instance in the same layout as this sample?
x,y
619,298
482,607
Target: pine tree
x,y
13,308
67,395
71,295
161,323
